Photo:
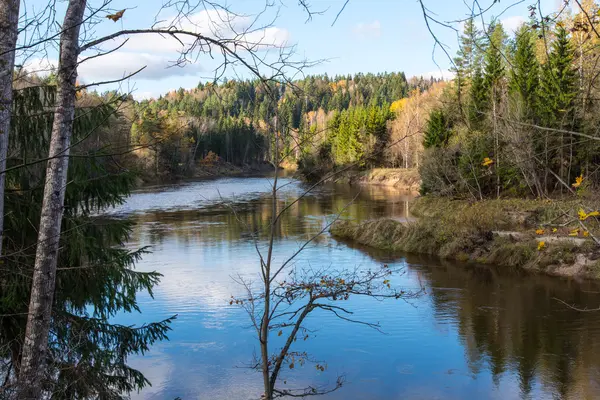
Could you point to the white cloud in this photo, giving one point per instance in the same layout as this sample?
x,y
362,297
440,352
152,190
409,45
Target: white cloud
x,y
40,66
367,30
214,24
119,64
115,65
511,24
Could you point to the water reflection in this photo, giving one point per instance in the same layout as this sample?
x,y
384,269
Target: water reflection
x,y
478,333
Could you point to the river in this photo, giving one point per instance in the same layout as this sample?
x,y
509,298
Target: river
x,y
476,332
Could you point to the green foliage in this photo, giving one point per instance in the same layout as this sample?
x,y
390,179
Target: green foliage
x,y
558,86
517,138
95,278
233,119
437,132
358,133
494,60
524,75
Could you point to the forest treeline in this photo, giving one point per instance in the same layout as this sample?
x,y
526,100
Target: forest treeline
x,y
340,119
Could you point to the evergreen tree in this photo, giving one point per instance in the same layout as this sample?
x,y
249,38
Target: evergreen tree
x,y
95,279
478,96
469,52
559,88
524,80
437,132
494,59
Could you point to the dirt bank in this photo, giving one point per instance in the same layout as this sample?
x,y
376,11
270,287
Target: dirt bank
x,y
398,178
534,235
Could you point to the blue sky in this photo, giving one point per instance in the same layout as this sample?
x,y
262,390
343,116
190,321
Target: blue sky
x,y
369,36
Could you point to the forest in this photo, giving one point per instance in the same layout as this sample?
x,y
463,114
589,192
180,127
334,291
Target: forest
x,y
345,115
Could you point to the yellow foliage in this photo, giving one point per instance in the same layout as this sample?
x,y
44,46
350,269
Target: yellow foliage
x,y
586,233
398,105
487,162
574,232
583,216
578,181
554,230
539,231
541,245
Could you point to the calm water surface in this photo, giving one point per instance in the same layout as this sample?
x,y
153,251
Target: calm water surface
x,y
477,333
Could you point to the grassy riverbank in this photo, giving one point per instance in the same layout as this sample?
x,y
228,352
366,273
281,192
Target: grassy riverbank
x,y
530,234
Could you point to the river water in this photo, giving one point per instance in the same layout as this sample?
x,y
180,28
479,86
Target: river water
x,y
477,332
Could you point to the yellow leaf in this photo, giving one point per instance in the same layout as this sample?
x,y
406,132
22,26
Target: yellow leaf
x,y
116,16
541,245
578,181
554,230
594,214
487,162
539,231
574,232
586,233
582,214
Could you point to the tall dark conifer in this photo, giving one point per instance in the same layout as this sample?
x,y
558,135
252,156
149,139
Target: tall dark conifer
x,y
525,75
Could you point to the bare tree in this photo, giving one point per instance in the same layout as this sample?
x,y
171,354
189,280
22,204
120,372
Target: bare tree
x,y
286,294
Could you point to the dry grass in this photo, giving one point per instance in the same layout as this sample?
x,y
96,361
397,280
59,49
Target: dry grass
x,y
466,231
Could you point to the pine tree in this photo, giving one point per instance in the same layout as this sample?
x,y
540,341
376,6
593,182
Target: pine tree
x,y
524,80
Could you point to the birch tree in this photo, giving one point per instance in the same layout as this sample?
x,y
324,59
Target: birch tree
x,y
44,274
9,22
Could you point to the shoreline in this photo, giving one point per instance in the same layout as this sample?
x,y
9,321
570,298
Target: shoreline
x,y
503,233
398,178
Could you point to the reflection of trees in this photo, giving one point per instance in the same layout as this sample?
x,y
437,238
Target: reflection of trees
x,y
515,323
217,222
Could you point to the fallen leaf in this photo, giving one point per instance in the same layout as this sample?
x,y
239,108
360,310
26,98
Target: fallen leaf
x,y
116,16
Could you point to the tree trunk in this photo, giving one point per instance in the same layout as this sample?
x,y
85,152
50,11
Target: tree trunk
x,y
9,25
44,274
496,143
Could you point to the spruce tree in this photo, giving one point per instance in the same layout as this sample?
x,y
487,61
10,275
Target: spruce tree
x,y
95,280
524,78
437,132
494,59
478,96
558,88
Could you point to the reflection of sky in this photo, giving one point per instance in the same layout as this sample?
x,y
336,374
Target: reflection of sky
x,y
421,355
